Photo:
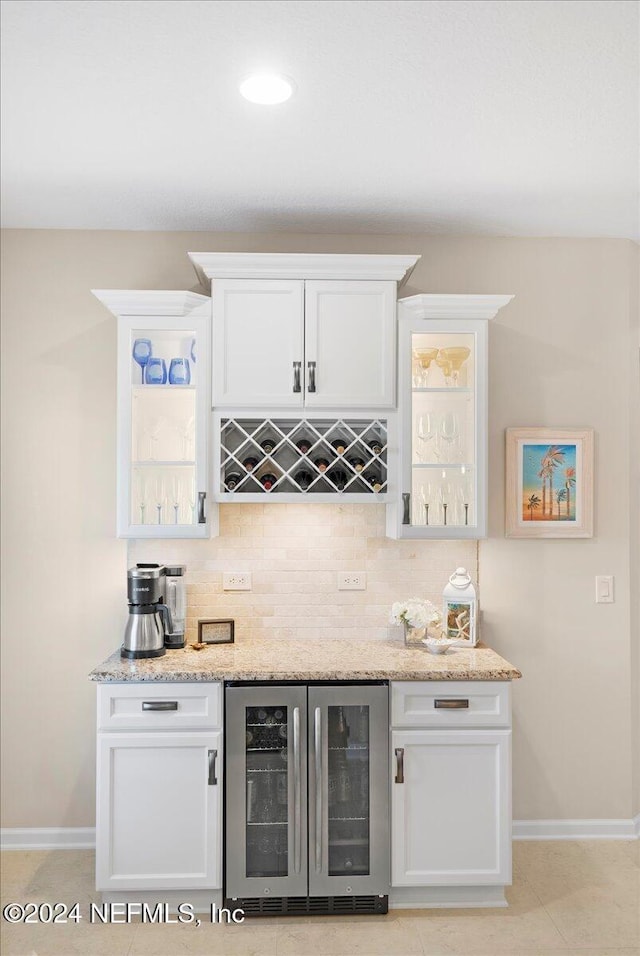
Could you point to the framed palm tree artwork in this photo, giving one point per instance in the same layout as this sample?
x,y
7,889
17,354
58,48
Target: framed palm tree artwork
x,y
549,484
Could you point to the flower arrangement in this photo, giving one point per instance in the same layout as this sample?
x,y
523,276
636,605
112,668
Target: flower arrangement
x,y
416,612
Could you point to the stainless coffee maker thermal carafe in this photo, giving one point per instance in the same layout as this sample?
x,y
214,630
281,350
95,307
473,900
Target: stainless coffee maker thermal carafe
x,y
149,617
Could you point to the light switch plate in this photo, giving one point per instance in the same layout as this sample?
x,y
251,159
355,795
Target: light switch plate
x,y
604,589
352,581
236,581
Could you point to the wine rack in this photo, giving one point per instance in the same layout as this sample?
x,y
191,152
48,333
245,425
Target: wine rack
x,y
312,457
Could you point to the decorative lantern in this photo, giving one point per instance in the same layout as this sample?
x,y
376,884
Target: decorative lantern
x,y
460,609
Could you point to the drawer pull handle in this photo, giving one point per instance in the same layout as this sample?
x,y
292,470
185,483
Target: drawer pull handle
x,y
452,704
212,779
159,704
400,765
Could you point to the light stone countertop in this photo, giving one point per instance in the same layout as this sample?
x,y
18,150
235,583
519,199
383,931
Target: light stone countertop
x,y
309,660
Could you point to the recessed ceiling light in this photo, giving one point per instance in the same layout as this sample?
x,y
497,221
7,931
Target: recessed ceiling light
x,y
268,89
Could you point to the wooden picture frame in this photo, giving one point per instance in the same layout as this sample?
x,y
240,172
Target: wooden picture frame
x,y
549,483
216,632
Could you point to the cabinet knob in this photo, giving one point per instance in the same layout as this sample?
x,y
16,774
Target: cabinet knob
x,y
311,366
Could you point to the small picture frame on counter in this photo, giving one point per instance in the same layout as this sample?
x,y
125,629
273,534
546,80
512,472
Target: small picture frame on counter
x,y
216,632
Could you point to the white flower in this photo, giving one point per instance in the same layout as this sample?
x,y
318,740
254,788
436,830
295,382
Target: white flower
x,y
416,612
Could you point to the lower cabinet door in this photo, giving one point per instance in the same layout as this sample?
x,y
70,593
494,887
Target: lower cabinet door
x,y
451,807
159,811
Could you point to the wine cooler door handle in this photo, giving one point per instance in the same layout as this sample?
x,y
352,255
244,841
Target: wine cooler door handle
x,y
297,794
201,515
311,366
317,740
406,508
400,765
297,387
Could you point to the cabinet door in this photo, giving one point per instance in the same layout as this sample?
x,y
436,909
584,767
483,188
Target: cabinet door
x,y
163,412
451,814
350,339
257,342
159,811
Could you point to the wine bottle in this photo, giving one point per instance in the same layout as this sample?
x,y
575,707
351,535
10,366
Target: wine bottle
x,y
356,463
303,445
249,463
375,446
374,480
267,445
340,445
231,479
339,478
321,464
268,481
303,478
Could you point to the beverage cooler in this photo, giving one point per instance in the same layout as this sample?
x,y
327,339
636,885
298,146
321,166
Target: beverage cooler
x,y
307,798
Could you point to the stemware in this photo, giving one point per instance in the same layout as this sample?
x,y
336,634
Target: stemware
x,y
446,365
192,350
449,432
155,372
425,357
142,352
154,428
191,500
426,495
179,371
427,431
176,497
456,355
141,494
444,499
160,495
188,435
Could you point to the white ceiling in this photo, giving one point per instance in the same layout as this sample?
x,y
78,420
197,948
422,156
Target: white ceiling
x,y
494,117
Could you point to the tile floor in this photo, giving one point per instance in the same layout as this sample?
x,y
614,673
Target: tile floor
x,y
567,898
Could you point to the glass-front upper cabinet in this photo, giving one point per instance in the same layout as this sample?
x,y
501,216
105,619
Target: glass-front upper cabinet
x,y
163,410
443,416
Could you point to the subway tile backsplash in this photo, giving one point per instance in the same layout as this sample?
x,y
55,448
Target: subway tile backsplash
x,y
294,552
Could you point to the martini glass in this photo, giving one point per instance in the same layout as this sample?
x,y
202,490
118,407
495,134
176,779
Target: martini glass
x,y
425,357
456,356
142,352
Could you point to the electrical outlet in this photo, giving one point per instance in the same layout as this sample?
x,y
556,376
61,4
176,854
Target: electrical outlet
x,y
352,581
236,581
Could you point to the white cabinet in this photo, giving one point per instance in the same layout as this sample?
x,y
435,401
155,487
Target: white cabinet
x,y
163,414
451,785
443,416
159,788
294,343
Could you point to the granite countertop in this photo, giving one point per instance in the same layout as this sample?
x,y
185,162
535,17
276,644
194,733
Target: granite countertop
x,y
309,660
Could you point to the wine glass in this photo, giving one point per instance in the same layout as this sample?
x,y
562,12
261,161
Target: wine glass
x,y
159,497
444,498
446,365
456,355
449,431
179,371
426,494
155,372
176,497
427,431
191,499
141,494
156,425
142,352
188,434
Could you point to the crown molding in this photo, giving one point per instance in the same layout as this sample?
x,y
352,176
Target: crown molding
x,y
436,306
150,301
266,265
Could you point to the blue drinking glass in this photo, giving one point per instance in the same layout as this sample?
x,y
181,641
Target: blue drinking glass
x,y
155,372
193,350
142,352
179,371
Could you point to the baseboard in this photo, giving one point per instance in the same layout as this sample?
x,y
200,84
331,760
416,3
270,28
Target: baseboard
x,y
446,897
47,838
84,838
577,829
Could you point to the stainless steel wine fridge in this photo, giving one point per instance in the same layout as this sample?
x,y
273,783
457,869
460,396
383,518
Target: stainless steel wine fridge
x,y
307,798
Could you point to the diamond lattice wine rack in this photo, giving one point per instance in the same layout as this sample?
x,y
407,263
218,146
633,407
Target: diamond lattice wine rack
x,y
294,457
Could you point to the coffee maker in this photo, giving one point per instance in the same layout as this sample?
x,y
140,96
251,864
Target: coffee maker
x,y
149,616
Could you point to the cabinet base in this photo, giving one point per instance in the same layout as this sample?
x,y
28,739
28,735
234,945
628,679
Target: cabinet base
x,y
446,897
310,905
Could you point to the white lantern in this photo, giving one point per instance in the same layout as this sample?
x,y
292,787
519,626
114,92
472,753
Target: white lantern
x,y
460,609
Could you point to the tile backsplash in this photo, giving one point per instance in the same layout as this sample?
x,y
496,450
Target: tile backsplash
x,y
294,552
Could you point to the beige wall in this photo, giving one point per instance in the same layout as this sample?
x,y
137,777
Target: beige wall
x,y
559,355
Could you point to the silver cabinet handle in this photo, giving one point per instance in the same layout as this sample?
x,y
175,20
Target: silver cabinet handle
x,y
317,736
400,765
451,704
159,704
201,515
297,798
311,366
212,755
406,508
297,366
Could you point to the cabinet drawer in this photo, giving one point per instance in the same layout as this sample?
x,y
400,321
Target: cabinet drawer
x,y
159,706
450,704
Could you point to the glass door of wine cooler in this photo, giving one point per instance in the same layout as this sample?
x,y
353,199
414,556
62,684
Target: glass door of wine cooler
x,y
348,790
266,837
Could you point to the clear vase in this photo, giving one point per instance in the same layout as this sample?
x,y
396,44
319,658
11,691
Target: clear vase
x,y
413,636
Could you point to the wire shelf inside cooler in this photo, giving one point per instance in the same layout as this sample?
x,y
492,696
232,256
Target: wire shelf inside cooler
x,y
303,456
